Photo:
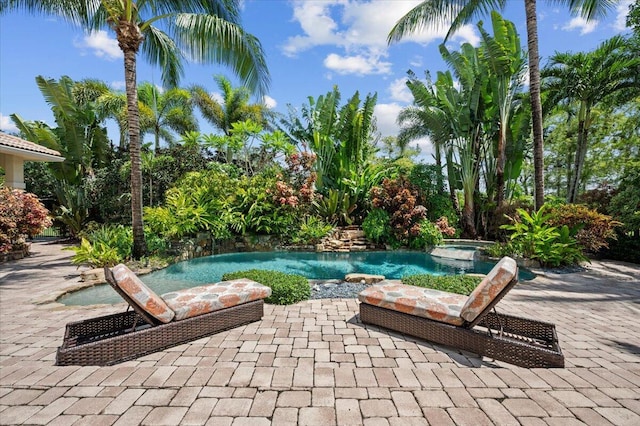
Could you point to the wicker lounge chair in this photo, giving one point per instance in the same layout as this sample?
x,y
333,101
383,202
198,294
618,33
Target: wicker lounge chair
x,y
159,322
466,323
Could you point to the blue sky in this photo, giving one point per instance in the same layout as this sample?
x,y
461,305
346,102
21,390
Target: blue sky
x,y
311,45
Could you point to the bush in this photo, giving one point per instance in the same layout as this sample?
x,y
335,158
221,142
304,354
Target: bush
x,y
534,238
311,231
399,198
428,236
286,289
625,248
625,205
460,284
592,229
376,226
108,245
21,215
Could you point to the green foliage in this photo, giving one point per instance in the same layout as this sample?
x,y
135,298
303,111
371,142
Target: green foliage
x,y
73,210
459,284
428,236
97,255
625,205
343,140
592,230
377,225
500,249
312,230
108,245
21,215
336,207
399,198
626,248
286,289
534,238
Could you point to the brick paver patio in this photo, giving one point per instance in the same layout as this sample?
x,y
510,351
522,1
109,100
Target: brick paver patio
x,y
314,363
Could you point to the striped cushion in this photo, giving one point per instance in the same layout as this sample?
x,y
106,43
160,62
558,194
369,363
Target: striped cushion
x,y
191,302
495,281
143,295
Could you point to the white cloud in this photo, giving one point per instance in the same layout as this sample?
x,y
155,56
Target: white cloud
x,y
399,91
101,45
386,116
359,30
467,34
622,10
358,64
386,119
6,125
579,23
118,85
269,102
416,61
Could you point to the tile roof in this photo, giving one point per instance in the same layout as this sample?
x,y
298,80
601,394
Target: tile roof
x,y
16,142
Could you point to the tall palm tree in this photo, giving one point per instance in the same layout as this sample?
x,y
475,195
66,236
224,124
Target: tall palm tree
x,y
433,13
207,31
503,56
589,78
164,111
234,107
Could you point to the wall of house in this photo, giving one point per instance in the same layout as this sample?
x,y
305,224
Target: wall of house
x,y
13,171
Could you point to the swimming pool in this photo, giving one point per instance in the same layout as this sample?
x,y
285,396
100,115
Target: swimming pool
x,y
191,273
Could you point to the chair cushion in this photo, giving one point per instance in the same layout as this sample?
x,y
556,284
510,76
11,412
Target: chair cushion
x,y
146,298
495,281
191,302
423,302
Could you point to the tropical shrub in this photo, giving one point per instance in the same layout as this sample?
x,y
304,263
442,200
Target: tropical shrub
x,y
625,205
533,238
108,245
377,226
428,178
443,225
73,208
105,245
460,284
96,255
429,235
336,207
312,230
21,215
503,215
399,198
592,229
286,289
261,201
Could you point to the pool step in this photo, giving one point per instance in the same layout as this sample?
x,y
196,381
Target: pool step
x,y
451,253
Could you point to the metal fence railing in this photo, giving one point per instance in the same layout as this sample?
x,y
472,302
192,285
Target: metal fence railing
x,y
51,232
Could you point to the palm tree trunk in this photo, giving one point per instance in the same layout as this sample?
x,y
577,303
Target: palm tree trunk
x,y
536,104
581,153
501,160
139,243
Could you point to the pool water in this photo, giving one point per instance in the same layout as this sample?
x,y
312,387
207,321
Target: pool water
x,y
191,273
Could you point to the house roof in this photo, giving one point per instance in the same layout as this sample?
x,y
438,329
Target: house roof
x,y
13,145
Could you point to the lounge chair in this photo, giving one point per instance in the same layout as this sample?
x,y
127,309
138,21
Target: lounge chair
x,y
159,322
465,322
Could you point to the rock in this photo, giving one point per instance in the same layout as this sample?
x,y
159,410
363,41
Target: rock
x,y
366,278
92,275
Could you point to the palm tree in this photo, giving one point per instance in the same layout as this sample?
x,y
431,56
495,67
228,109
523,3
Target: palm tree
x,y
589,78
433,13
503,57
207,31
235,107
164,111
